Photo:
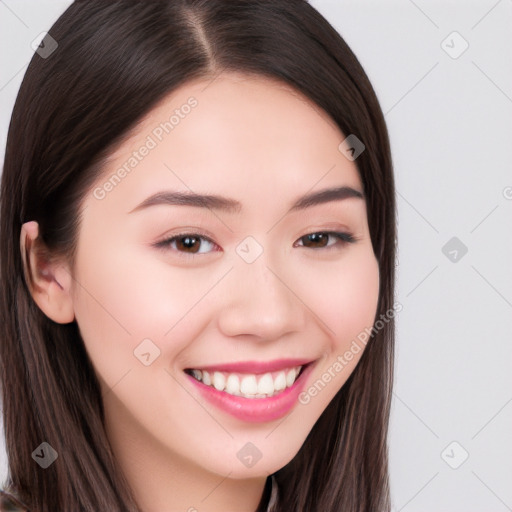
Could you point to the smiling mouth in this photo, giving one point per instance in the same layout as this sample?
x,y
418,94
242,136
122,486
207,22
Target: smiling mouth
x,y
249,385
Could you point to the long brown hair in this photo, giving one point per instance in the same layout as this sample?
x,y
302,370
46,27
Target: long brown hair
x,y
114,62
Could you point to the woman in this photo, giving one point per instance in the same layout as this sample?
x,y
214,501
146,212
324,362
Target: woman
x,y
198,244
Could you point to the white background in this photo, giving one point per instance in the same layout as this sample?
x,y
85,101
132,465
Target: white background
x,y
450,122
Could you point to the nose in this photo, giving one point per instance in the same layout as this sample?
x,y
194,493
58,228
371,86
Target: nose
x,y
262,301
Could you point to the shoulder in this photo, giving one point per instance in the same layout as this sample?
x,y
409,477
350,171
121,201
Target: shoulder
x,y
10,503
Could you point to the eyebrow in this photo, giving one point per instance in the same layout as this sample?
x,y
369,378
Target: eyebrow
x,y
216,202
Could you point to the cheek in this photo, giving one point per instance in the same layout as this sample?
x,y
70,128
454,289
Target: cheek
x,y
345,296
126,299
348,309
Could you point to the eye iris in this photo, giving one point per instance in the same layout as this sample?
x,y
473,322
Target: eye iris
x,y
318,238
188,242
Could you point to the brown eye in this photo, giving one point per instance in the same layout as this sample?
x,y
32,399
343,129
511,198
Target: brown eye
x,y
316,239
321,239
188,243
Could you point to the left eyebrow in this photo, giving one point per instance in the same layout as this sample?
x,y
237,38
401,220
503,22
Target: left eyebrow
x,y
215,202
325,196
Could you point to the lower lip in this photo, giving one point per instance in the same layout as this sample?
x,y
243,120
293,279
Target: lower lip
x,y
255,410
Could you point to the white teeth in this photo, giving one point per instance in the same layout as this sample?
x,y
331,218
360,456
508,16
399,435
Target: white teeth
x,y
206,378
219,381
266,384
249,385
280,382
233,385
290,377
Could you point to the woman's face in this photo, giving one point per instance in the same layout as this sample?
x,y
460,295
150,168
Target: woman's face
x,y
162,287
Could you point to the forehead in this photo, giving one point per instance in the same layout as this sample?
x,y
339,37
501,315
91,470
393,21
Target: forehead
x,y
243,136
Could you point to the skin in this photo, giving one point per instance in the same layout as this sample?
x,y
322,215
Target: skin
x,y
262,143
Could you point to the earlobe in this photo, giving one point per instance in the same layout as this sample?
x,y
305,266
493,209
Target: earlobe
x,y
49,283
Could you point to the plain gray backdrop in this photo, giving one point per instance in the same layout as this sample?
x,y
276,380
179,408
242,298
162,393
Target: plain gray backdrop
x,y
443,74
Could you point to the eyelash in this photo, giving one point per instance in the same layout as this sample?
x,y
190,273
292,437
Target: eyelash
x,y
343,237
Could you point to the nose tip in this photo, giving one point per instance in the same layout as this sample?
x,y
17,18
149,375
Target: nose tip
x,y
260,301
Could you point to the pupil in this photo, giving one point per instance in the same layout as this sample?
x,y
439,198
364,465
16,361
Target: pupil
x,y
189,241
317,237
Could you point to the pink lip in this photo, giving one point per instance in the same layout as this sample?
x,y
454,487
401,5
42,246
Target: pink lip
x,y
255,366
256,410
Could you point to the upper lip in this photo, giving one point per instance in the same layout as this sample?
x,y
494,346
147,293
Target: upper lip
x,y
255,366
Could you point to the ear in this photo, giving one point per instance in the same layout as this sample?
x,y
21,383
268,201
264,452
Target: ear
x,y
49,282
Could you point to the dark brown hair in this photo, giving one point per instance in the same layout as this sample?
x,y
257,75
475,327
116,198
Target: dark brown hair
x,y
114,62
